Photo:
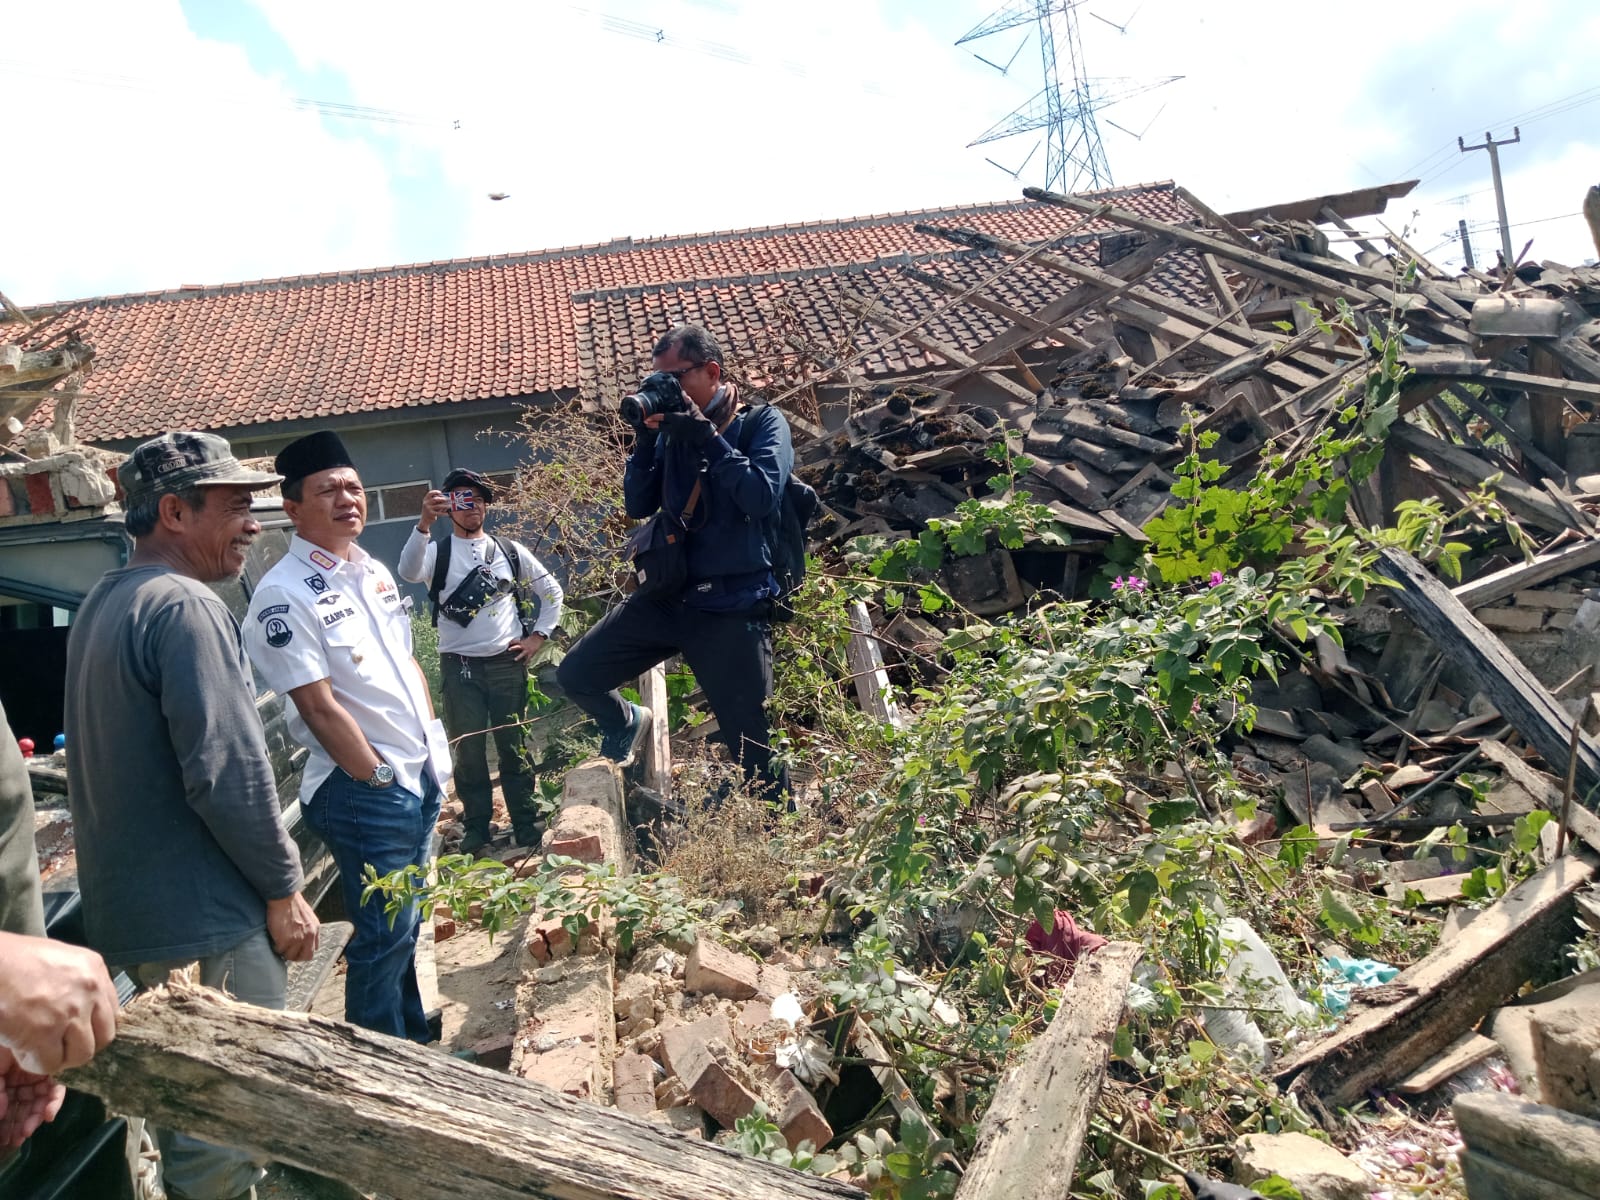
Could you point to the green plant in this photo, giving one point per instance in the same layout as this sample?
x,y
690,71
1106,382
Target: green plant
x,y
578,894
907,1168
756,1136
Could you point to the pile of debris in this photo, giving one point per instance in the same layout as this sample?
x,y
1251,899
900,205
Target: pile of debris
x,y
43,475
1503,378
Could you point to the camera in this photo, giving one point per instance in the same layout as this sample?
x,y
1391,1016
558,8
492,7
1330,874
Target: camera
x,y
659,393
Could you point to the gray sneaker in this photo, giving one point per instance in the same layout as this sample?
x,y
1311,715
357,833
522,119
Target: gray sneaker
x,y
622,747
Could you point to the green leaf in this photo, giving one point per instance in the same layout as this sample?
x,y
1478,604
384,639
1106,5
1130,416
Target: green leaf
x,y
1299,844
1142,887
1165,813
1276,1187
1202,1052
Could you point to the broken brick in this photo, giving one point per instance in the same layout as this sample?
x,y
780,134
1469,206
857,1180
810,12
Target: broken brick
x,y
633,1079
799,1118
716,969
679,1043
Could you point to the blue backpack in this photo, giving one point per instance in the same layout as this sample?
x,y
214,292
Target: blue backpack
x,y
786,532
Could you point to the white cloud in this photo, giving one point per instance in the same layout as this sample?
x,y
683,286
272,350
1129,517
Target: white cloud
x,y
195,171
746,114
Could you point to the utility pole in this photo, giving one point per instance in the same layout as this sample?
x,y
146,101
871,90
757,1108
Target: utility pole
x,y
1493,147
1466,245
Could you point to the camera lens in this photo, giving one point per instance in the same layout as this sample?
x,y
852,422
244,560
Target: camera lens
x,y
634,410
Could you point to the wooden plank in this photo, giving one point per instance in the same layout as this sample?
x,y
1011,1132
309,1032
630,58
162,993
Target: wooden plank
x,y
1478,370
1135,266
1544,789
1251,260
1032,1135
1466,1050
1527,706
1502,583
1227,303
873,690
1437,999
386,1115
1213,218
884,320
1057,332
1527,445
1526,501
655,771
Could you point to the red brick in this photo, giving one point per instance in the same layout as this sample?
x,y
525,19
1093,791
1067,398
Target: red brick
x,y
633,1081
41,500
800,1120
494,1051
444,928
681,1045
585,847
722,972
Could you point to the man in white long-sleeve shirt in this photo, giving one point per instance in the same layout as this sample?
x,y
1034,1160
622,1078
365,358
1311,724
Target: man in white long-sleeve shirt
x,y
491,629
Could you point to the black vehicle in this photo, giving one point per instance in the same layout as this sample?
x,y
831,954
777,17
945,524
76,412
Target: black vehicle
x,y
45,572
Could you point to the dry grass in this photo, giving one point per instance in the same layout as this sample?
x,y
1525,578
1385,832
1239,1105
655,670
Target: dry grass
x,y
739,849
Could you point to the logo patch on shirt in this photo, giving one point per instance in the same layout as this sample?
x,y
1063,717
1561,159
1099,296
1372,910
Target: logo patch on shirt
x,y
272,610
316,583
384,586
334,618
330,598
325,561
279,634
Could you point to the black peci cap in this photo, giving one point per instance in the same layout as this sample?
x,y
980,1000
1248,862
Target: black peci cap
x,y
320,451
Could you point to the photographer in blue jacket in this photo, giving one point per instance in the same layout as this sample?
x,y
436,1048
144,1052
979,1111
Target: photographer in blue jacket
x,y
716,469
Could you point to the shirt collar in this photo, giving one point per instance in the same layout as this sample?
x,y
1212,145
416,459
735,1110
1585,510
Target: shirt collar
x,y
324,560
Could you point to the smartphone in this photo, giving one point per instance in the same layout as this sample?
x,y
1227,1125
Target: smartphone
x,y
463,501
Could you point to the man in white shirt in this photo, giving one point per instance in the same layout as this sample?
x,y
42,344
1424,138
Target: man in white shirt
x,y
328,629
481,585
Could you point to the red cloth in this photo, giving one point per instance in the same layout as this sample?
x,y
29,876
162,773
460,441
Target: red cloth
x,y
1065,943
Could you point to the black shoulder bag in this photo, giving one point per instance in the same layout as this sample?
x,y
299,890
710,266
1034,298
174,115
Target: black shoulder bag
x,y
658,549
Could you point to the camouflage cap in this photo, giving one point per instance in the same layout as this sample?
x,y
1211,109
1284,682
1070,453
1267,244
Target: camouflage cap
x,y
175,461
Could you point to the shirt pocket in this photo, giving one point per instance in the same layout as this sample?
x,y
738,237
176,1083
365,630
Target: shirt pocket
x,y
349,640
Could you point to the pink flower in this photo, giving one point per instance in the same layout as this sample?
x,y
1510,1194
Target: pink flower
x,y
1136,583
1116,584
1216,578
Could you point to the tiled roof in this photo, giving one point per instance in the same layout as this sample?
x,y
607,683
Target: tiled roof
x,y
509,326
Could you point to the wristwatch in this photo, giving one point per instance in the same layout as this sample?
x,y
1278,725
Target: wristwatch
x,y
382,775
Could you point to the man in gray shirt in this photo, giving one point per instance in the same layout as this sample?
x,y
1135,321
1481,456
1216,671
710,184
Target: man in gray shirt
x,y
182,853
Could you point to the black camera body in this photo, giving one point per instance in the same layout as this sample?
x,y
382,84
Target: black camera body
x,y
659,393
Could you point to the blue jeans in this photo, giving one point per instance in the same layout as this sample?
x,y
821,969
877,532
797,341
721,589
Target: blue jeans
x,y
252,972
390,828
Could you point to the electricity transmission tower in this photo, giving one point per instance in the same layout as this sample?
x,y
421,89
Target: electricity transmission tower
x,y
1065,108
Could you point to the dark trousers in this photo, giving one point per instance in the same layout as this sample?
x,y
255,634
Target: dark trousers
x,y
488,693
389,828
729,653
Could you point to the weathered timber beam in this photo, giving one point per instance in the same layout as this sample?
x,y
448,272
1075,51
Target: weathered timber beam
x,y
1253,260
1213,218
389,1116
873,689
1525,703
1005,312
1528,502
1030,1140
1435,1000
1057,311
1502,583
32,366
1227,302
655,771
1150,310
1478,371
875,313
1545,790
1508,431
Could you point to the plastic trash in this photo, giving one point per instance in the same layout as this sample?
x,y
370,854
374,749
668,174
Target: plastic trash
x,y
1234,1028
1341,976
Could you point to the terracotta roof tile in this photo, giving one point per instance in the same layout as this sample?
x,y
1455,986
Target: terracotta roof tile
x,y
273,350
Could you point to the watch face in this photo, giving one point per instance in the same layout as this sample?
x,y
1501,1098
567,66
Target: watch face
x,y
384,773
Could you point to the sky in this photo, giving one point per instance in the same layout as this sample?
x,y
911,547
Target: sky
x,y
158,143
